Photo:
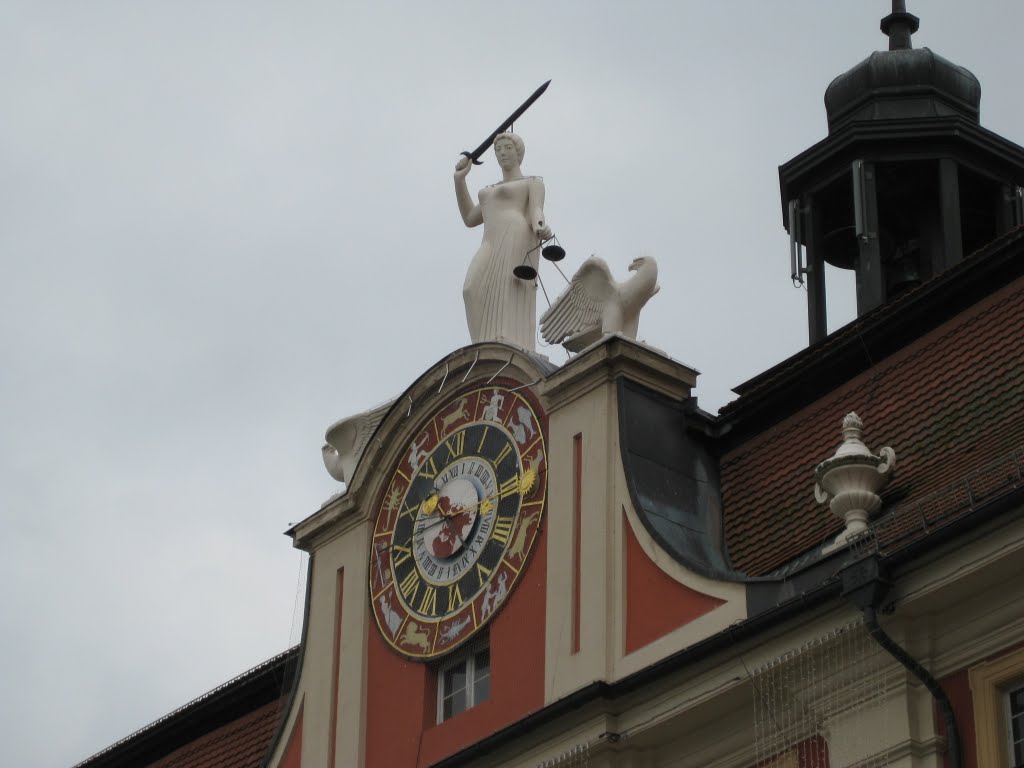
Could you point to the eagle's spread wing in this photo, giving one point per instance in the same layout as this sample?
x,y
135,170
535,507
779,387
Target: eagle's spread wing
x,y
347,439
580,306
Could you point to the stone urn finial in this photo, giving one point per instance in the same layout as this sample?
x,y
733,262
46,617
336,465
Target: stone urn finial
x,y
849,482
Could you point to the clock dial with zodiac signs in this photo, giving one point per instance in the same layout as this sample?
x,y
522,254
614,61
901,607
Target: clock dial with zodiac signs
x,y
457,519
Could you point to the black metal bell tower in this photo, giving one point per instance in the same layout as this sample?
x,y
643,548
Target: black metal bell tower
x,y
906,184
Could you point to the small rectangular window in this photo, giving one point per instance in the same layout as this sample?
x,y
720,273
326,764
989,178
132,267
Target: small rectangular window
x,y
997,687
482,676
463,682
1015,725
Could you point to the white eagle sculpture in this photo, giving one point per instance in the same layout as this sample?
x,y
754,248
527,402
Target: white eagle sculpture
x,y
595,305
347,440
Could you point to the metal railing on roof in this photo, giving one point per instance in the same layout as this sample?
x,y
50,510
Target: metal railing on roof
x,y
914,520
271,662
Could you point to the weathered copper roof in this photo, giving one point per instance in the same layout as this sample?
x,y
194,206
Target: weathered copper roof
x,y
902,82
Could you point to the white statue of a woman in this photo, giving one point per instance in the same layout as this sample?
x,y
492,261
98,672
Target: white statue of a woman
x,y
500,306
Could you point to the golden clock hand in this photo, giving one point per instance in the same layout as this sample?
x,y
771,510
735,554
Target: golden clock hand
x,y
526,483
470,507
447,516
442,519
434,524
485,505
429,505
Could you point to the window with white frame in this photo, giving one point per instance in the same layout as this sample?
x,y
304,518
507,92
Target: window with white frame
x,y
997,690
463,682
1015,724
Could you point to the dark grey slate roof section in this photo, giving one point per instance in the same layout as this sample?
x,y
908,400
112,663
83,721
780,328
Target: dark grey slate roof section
x,y
672,479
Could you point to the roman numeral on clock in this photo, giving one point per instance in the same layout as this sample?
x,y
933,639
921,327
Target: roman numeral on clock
x,y
428,604
503,454
429,469
454,597
401,554
409,585
456,445
509,487
502,529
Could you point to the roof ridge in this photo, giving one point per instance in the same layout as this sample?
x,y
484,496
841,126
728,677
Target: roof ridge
x,y
250,673
753,389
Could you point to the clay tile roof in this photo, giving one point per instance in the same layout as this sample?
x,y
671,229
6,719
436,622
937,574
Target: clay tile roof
x,y
231,726
240,744
948,403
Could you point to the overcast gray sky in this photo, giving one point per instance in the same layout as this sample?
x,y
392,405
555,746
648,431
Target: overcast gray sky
x,y
225,224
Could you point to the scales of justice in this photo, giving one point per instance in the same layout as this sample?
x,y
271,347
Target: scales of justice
x,y
500,291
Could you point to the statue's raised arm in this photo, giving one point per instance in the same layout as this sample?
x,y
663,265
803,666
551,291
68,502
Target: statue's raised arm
x,y
499,306
469,210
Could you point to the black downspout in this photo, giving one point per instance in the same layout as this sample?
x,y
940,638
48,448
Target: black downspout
x,y
865,584
922,674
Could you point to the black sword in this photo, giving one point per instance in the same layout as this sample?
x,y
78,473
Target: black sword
x,y
475,154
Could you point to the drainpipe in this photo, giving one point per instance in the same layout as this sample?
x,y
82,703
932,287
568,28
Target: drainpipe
x,y
865,584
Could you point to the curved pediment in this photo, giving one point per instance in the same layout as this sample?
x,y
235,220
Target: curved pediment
x,y
361,443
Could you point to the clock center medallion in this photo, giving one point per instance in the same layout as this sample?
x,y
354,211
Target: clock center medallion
x,y
456,523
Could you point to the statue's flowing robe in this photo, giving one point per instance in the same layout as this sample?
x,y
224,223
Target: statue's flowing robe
x,y
500,306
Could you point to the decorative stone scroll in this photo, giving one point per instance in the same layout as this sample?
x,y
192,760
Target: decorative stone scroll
x,y
346,440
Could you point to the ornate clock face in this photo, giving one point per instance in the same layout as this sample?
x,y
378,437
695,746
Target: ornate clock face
x,y
457,520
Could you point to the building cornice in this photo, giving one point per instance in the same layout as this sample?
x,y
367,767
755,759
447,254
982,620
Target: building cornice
x,y
818,370
613,357
461,368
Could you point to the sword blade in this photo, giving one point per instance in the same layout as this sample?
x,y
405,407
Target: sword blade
x,y
476,153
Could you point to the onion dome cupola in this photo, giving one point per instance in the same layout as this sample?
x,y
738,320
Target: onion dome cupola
x,y
902,82
907,181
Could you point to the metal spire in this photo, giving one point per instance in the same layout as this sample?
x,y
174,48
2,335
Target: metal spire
x,y
899,26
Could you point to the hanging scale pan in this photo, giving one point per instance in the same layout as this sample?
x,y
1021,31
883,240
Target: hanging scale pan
x,y
553,251
524,272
